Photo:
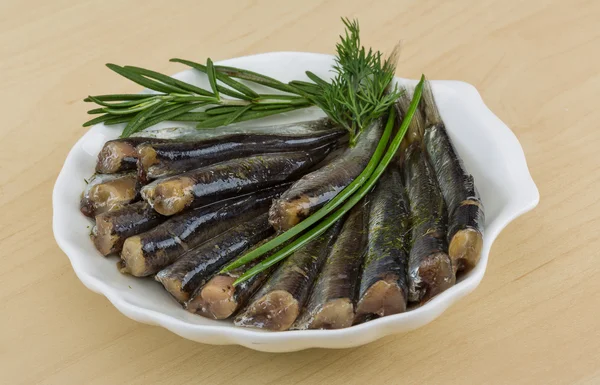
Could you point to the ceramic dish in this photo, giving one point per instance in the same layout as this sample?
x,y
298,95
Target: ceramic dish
x,y
489,149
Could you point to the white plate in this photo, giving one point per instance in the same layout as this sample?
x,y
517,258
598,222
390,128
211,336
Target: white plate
x,y
489,149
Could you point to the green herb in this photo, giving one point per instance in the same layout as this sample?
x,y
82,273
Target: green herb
x,y
322,212
176,99
353,200
361,90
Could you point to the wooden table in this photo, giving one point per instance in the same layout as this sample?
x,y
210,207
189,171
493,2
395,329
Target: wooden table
x,y
534,319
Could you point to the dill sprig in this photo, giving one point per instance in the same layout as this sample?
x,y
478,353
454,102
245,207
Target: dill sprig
x,y
317,223
361,89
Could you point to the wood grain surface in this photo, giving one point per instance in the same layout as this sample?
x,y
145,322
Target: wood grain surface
x,y
533,320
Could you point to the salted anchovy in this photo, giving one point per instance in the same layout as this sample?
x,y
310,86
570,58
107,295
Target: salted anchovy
x,y
383,285
120,154
199,187
331,303
112,228
164,159
149,252
317,188
198,265
278,303
466,215
429,266
108,192
219,299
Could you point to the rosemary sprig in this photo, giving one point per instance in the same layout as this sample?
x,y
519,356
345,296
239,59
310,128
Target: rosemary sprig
x,y
177,100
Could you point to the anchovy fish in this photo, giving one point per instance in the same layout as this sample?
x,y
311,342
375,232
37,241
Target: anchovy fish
x,y
331,303
465,209
278,303
315,189
198,265
149,252
205,185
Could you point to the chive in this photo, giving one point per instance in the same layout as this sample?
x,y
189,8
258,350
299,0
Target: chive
x,y
354,199
323,211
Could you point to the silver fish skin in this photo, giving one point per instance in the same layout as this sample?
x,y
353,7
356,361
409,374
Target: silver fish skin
x,y
430,269
383,284
465,209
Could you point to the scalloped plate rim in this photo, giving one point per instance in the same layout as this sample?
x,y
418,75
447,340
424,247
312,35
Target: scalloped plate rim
x,y
343,338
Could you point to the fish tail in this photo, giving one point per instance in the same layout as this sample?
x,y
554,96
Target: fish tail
x,y
416,128
428,107
392,59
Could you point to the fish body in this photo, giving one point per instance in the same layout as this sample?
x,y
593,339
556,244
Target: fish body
x,y
278,302
181,133
465,209
113,227
332,299
158,160
121,155
383,284
149,252
198,265
205,185
219,299
429,266
315,189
